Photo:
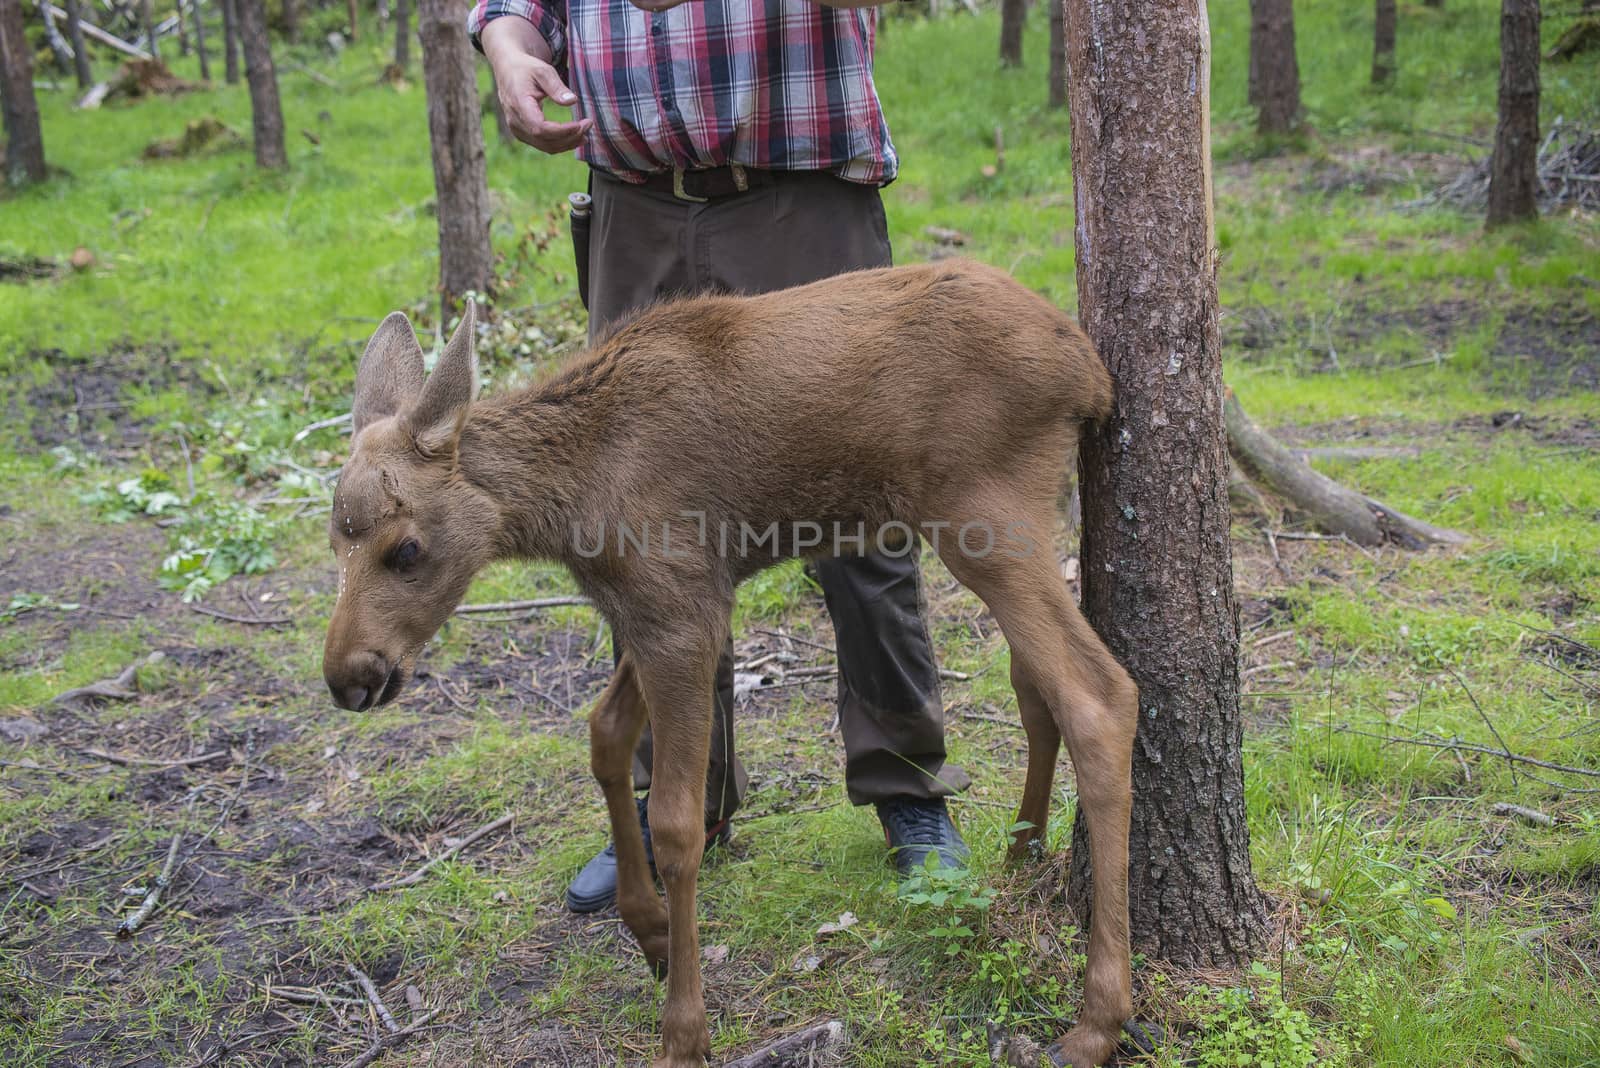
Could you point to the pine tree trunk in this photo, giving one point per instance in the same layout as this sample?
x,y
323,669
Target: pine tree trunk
x,y
352,13
200,41
1158,576
466,259
1383,29
1274,71
230,40
1058,54
80,55
1013,16
1514,167
146,15
402,33
19,109
266,114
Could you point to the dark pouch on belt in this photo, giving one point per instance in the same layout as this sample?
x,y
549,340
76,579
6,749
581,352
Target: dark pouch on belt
x,y
578,216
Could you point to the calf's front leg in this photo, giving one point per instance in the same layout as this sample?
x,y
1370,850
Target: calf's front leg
x,y
614,728
676,677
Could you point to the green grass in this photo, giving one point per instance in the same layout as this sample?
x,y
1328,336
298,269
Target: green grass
x,y
1423,927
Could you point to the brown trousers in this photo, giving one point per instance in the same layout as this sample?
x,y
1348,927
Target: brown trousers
x,y
646,246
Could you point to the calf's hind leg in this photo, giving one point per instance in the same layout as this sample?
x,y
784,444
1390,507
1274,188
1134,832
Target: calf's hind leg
x,y
1060,665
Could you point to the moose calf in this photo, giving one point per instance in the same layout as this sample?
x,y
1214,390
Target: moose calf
x,y
706,440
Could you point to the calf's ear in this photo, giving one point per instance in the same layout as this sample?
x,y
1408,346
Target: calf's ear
x,y
390,374
436,419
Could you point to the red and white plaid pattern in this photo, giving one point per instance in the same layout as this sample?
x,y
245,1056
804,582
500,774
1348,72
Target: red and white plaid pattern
x,y
771,84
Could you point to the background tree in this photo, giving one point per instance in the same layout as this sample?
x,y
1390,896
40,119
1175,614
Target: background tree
x,y
1058,54
1013,17
352,16
200,40
80,54
402,34
230,40
1383,29
147,19
466,260
291,20
1514,167
24,140
1274,71
1158,576
266,114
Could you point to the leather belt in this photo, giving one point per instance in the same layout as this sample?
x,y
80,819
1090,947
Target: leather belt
x,y
708,183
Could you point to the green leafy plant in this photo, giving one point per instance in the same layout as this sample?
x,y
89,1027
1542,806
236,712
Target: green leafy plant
x,y
217,539
950,900
1253,1027
149,493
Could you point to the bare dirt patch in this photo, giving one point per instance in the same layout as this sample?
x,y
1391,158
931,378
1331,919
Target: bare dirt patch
x,y
86,402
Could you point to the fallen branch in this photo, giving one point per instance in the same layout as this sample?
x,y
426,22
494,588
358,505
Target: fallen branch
x,y
180,762
799,1050
316,76
522,606
368,988
275,621
416,876
1474,748
321,424
121,688
1331,506
95,32
376,1049
1531,815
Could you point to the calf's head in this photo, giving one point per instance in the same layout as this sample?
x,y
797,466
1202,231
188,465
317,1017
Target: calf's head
x,y
408,531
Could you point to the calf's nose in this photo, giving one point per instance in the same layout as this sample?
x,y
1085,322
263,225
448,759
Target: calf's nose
x,y
357,681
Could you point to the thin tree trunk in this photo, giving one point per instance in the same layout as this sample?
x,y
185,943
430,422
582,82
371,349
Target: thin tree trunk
x,y
1274,71
402,33
266,114
230,41
291,20
200,41
18,108
80,55
1514,167
183,33
466,259
352,14
1013,16
1157,574
148,17
1058,54
1383,29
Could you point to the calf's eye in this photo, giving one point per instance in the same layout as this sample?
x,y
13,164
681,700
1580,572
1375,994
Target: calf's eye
x,y
406,555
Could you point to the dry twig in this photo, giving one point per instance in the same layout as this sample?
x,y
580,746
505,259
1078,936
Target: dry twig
x,y
416,876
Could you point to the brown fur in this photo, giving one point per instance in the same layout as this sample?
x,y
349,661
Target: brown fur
x,y
941,394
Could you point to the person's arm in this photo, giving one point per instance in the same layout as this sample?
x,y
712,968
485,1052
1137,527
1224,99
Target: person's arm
x,y
523,59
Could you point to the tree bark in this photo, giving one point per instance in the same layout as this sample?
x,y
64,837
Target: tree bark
x,y
149,20
230,40
1013,16
266,114
183,33
291,20
466,259
352,14
200,40
18,108
1274,71
80,55
1383,29
1514,167
1058,54
1157,574
402,33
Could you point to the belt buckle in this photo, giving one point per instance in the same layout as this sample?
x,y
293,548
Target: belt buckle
x,y
682,194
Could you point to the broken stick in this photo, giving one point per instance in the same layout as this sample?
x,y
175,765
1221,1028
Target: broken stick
x,y
416,876
818,1044
1333,507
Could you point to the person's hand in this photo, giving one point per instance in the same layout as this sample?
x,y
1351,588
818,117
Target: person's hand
x,y
524,82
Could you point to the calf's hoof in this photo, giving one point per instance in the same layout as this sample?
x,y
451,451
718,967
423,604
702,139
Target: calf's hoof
x,y
1079,1048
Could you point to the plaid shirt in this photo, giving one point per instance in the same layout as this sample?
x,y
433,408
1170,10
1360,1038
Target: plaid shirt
x,y
770,84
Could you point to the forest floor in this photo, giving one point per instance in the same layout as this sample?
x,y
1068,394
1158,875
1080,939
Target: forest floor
x,y
151,450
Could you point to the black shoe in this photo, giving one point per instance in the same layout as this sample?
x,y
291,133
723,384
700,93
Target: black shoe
x,y
595,887
915,827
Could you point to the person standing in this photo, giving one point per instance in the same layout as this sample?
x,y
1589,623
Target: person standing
x,y
739,146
